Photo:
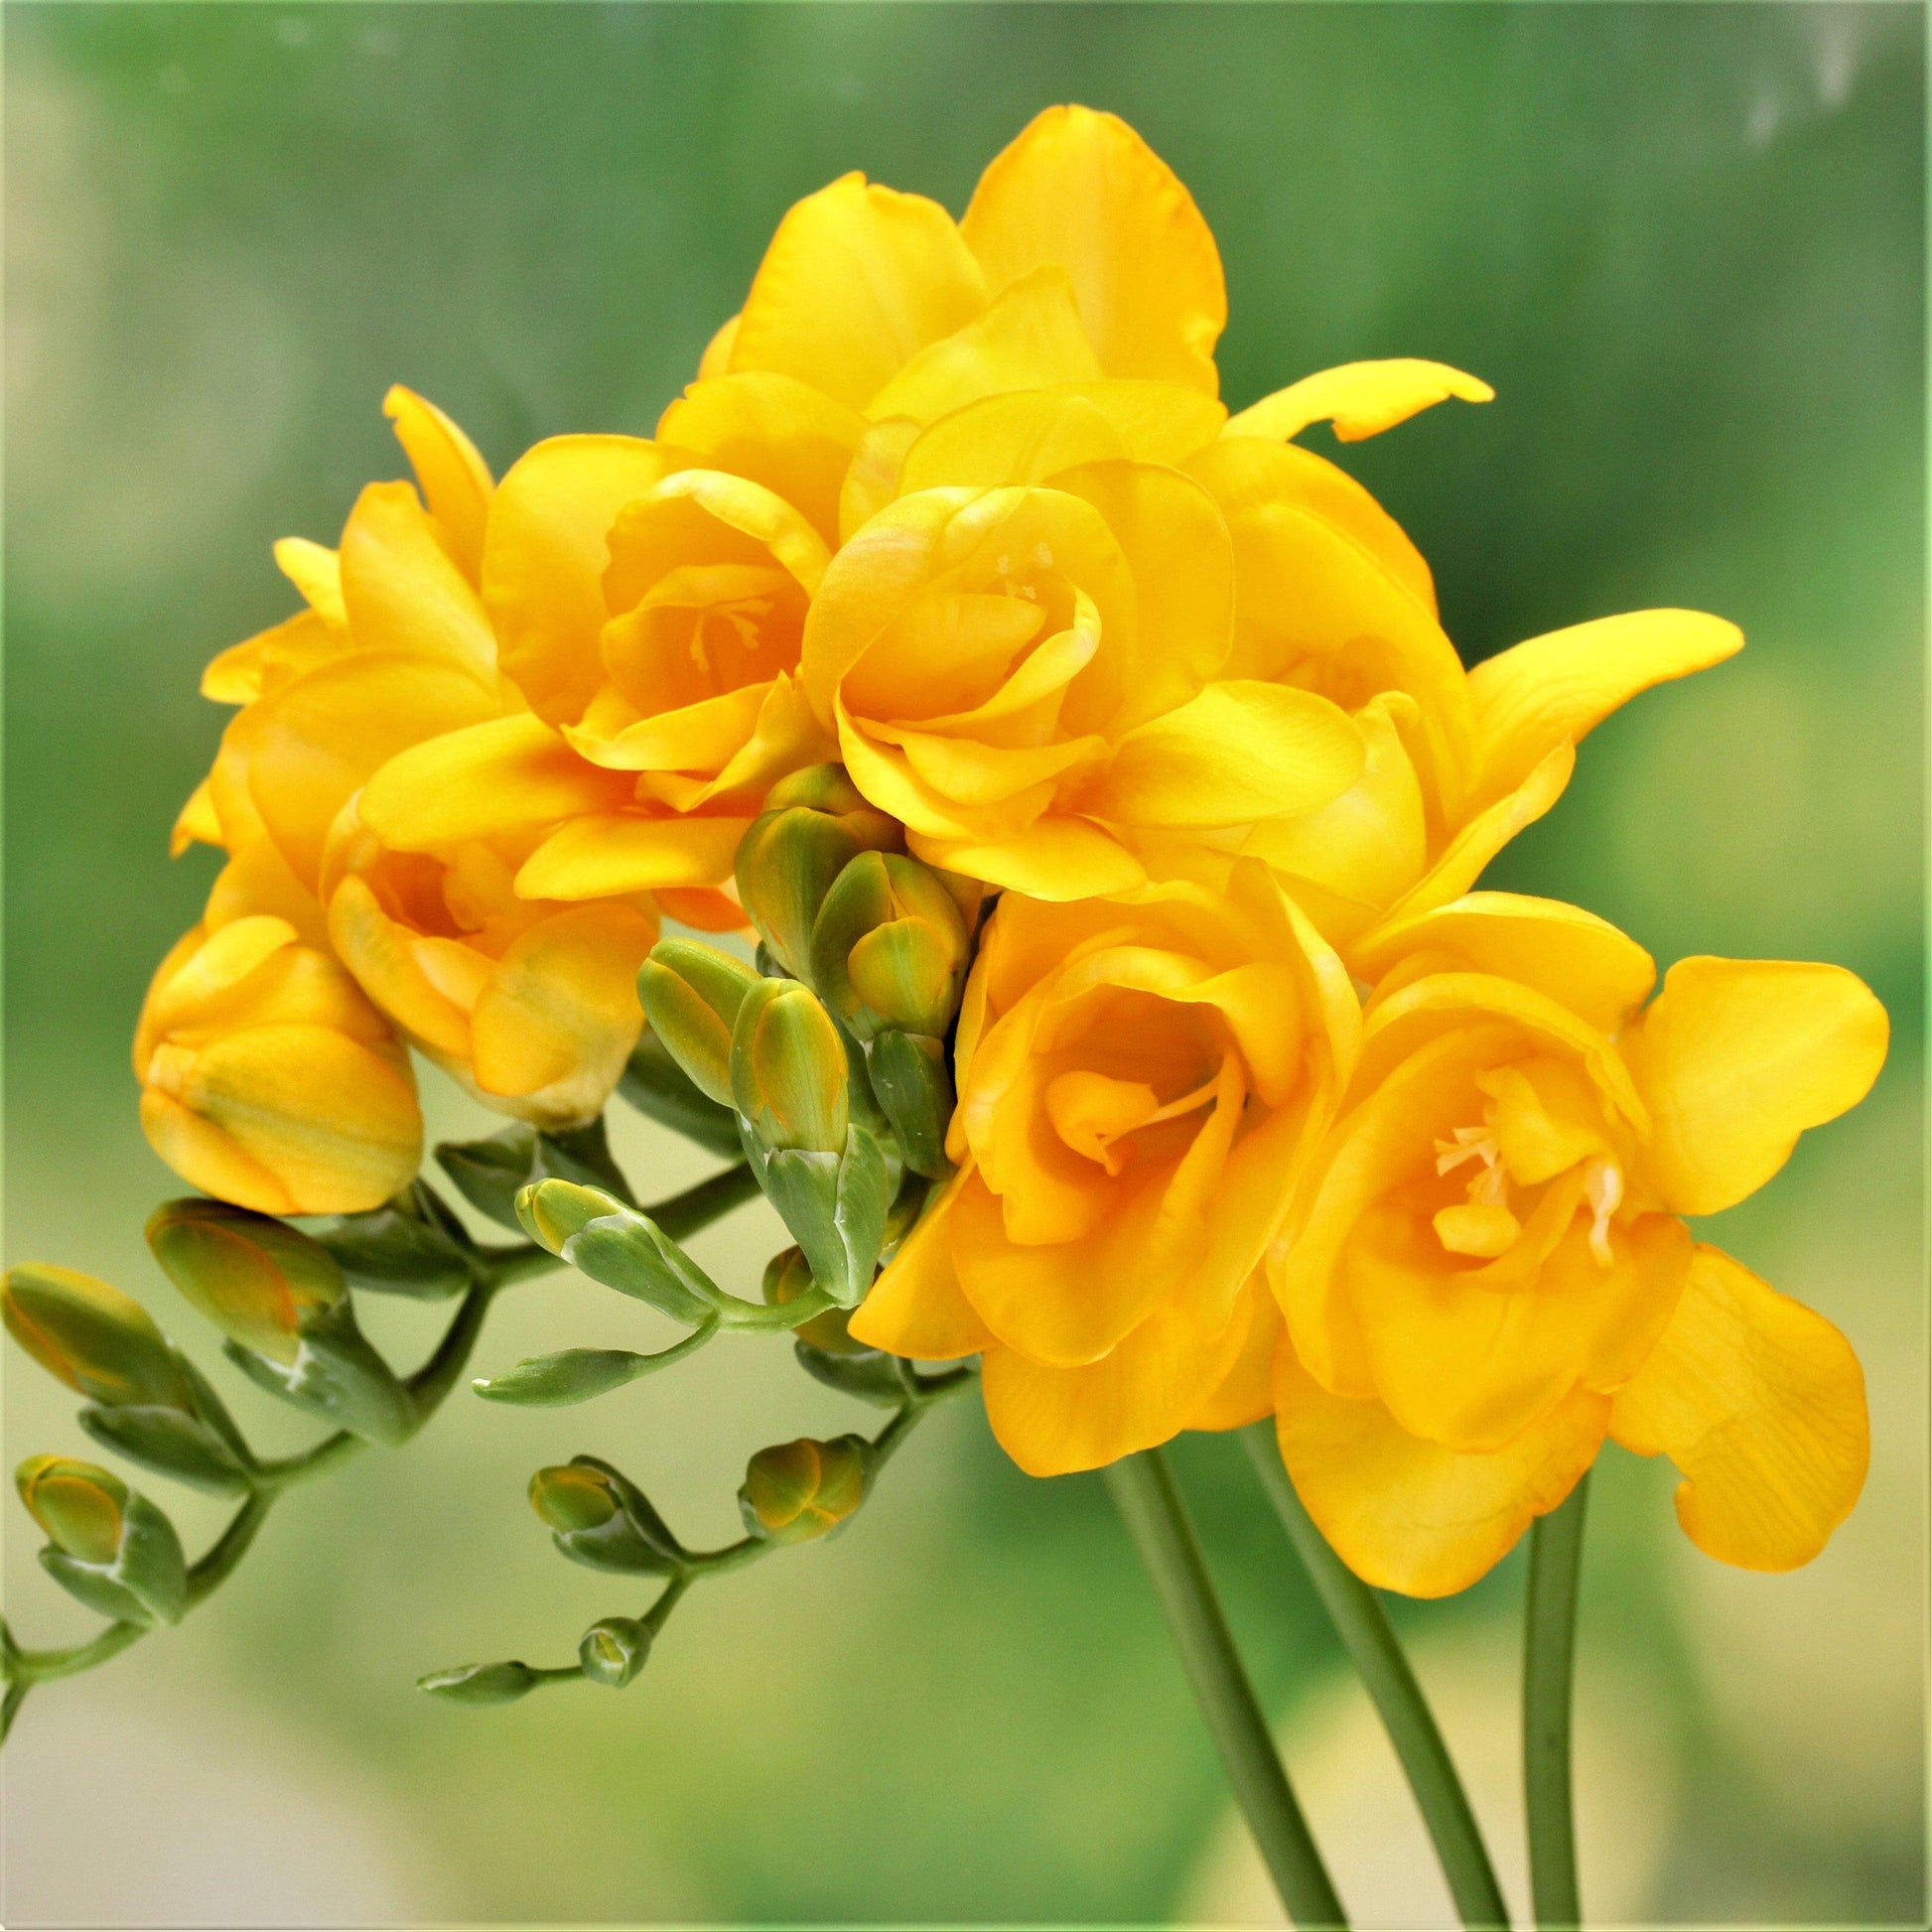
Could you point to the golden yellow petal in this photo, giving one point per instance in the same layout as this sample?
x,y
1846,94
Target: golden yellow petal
x,y
1760,1404
603,855
1737,1057
915,1308
454,479
403,590
1360,398
1082,191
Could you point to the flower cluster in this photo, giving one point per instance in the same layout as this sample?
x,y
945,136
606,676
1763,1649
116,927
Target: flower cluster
x,y
1109,803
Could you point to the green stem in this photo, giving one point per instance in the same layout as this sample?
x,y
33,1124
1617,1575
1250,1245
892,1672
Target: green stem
x,y
438,1376
506,1266
16,1696
1549,1656
1372,1645
1150,1505
710,1201
218,1560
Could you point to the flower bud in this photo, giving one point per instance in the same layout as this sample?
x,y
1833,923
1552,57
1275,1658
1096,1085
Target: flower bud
x,y
97,1340
598,1518
788,1275
501,1683
797,1491
814,823
109,1546
619,1246
691,995
614,1650
269,1079
260,1281
658,1086
789,1076
889,947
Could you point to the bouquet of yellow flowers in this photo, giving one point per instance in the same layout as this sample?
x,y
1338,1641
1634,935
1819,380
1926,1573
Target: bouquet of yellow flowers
x,y
1090,808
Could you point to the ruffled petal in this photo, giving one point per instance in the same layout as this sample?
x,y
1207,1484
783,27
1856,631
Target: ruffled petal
x,y
403,590
1361,399
605,855
454,479
1737,1057
915,1308
1760,1404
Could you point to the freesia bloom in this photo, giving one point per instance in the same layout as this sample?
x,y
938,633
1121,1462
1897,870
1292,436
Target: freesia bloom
x,y
270,1081
1485,1272
529,1004
1136,1081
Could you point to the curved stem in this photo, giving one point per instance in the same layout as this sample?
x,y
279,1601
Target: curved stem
x,y
1150,1505
1357,1614
219,1562
1549,1655
438,1376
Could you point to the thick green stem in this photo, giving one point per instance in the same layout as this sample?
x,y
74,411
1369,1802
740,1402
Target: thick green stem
x,y
1150,1505
1549,1656
1372,1646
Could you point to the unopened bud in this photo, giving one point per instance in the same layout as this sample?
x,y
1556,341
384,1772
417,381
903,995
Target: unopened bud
x,y
108,1545
552,1210
501,1683
614,1651
259,1280
619,1246
889,947
97,1340
797,1491
788,1275
789,1076
814,823
691,994
598,1519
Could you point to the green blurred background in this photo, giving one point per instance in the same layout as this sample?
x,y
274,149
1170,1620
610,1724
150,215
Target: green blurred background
x,y
1686,244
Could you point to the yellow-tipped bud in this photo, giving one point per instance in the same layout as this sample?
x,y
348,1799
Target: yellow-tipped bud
x,y
788,1275
571,1497
260,1281
789,1076
80,1506
99,1342
814,823
552,1210
890,947
691,995
797,1491
600,1518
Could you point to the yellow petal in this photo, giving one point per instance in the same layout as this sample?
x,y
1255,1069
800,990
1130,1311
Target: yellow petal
x,y
872,479
1409,1515
856,280
205,1158
915,1308
560,1015
654,535
508,774
453,478
1018,438
1028,337
1760,1404
1553,690
1360,398
272,657
401,588
1082,191
1053,1421
1247,1392
774,429
321,738
717,356
389,970
317,573
1737,1057
196,823
1575,957
602,856
334,1122
544,560
1054,859
1241,751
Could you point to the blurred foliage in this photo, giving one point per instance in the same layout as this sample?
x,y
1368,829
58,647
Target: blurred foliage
x,y
1687,246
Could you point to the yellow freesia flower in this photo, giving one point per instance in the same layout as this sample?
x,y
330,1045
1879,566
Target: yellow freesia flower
x,y
270,1081
531,1006
1485,1269
1137,1080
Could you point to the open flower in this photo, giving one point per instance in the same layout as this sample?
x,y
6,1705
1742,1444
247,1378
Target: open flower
x,y
1138,1079
1485,1270
270,1081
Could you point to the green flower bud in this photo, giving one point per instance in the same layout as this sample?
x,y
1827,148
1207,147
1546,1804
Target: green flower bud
x,y
110,1545
614,1650
789,1077
794,1493
97,1340
814,823
260,1282
501,1683
598,1518
889,947
788,1275
657,1086
619,1246
691,996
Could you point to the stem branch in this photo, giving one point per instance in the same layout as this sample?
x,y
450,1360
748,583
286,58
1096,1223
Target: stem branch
x,y
1150,1505
1549,1656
